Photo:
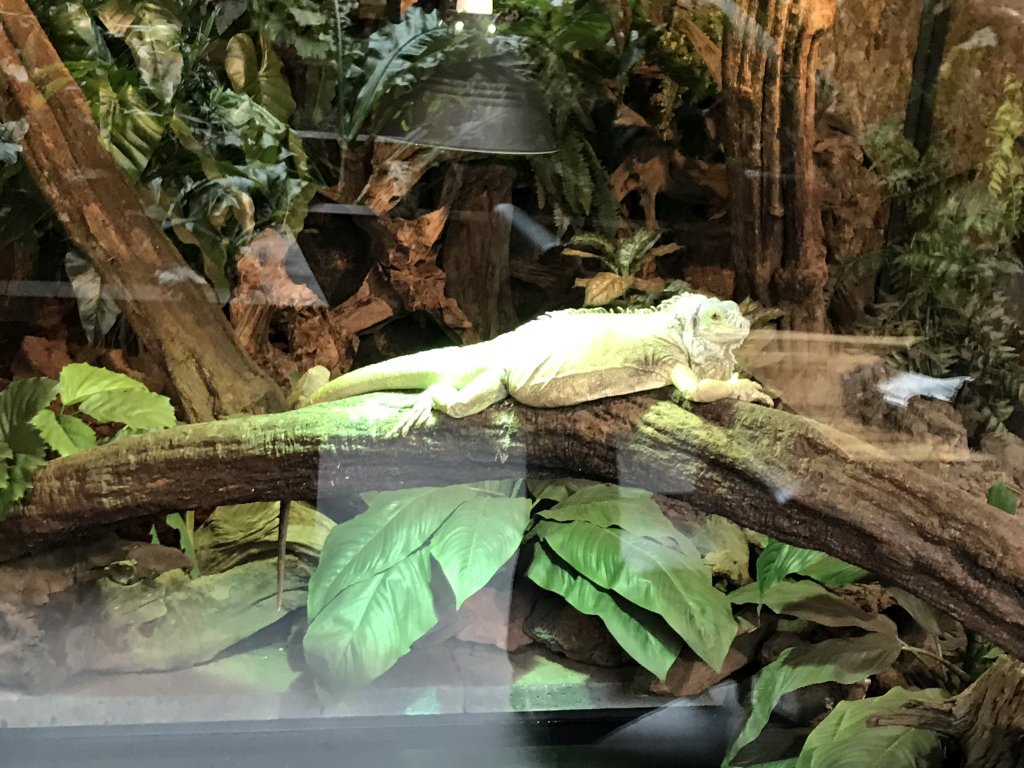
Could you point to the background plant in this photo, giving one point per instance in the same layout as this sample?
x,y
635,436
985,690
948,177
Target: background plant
x,y
33,427
947,283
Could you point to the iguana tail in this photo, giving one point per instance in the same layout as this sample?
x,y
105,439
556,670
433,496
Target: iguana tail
x,y
416,372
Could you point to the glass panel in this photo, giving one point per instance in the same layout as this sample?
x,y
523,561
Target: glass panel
x,y
526,383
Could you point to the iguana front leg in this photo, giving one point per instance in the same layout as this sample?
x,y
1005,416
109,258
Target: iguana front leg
x,y
710,390
483,391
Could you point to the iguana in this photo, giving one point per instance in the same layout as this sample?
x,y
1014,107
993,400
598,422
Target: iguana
x,y
564,358
571,357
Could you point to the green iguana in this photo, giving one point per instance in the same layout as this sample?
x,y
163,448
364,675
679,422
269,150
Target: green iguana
x,y
564,358
571,357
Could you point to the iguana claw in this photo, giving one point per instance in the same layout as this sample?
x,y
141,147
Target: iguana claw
x,y
750,392
420,414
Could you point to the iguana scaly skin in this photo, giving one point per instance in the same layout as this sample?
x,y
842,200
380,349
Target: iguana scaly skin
x,y
571,357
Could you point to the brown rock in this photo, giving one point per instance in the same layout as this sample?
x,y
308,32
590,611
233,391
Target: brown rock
x,y
690,676
558,626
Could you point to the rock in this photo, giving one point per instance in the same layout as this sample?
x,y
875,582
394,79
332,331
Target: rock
x,y
558,626
932,423
1008,450
690,676
496,617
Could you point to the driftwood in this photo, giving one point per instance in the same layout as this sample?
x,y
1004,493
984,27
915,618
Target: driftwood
x,y
987,719
100,210
774,472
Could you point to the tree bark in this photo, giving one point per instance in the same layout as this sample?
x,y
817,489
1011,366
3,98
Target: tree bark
x,y
475,256
987,719
100,210
765,469
770,62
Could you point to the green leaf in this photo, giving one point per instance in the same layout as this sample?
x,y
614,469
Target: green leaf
x,y
844,660
844,739
651,643
811,601
778,560
67,435
6,455
96,309
397,50
155,39
19,479
563,488
19,403
724,547
364,629
186,538
113,397
263,80
631,510
659,579
1003,498
477,539
396,524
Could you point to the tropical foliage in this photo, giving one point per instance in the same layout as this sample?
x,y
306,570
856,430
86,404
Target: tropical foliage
x,y
611,552
33,427
947,283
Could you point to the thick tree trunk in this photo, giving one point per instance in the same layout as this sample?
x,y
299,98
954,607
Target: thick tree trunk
x,y
101,212
770,63
771,471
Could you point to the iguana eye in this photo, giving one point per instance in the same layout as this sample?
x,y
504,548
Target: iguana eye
x,y
716,316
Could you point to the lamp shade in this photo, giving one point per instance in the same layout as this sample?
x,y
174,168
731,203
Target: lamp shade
x,y
484,104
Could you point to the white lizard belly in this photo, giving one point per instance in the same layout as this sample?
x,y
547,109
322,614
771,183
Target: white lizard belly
x,y
575,388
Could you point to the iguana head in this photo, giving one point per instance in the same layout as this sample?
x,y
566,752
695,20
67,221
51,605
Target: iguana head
x,y
720,322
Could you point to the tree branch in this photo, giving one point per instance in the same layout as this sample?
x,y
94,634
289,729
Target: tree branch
x,y
771,471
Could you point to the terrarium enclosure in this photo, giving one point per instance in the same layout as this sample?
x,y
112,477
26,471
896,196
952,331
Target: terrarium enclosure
x,y
580,360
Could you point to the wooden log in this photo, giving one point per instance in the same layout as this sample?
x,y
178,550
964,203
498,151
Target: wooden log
x,y
771,471
100,210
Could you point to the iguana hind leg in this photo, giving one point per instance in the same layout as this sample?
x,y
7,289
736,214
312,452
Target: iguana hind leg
x,y
483,391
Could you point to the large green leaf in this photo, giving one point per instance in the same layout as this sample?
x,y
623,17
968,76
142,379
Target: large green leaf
x,y
607,505
67,435
844,739
396,524
477,539
844,660
110,396
778,560
22,449
19,404
396,54
662,580
152,30
651,643
562,488
811,601
366,628
263,80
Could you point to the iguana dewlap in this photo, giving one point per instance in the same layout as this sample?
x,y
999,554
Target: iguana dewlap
x,y
572,357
